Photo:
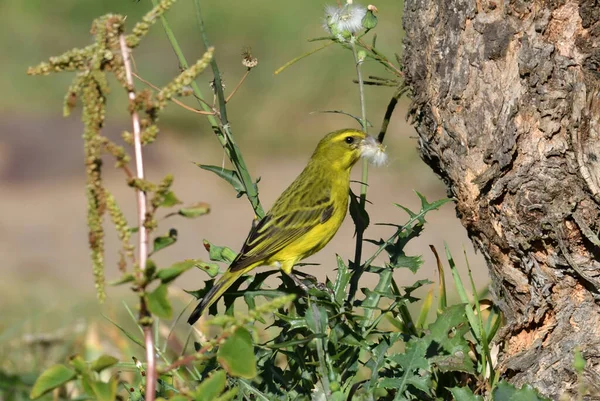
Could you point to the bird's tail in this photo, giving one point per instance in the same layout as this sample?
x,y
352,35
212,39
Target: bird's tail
x,y
215,293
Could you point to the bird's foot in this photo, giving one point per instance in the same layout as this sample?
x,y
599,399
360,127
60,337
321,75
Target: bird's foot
x,y
312,280
298,282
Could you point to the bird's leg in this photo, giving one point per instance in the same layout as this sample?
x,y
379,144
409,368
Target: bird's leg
x,y
298,282
307,276
314,282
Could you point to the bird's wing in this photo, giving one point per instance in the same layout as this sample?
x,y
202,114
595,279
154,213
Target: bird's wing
x,y
272,234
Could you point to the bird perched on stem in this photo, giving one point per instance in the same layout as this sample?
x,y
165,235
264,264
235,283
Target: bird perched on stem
x,y
307,214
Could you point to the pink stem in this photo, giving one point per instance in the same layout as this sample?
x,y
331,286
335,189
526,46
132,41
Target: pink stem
x,y
142,209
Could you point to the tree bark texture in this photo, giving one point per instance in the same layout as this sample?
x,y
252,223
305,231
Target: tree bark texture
x,y
506,103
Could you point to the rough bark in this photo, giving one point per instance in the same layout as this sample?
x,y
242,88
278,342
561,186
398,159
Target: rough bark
x,y
506,102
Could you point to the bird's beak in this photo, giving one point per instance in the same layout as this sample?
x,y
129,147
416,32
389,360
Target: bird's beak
x,y
372,150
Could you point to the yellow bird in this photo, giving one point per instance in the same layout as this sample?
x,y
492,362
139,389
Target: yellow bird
x,y
307,214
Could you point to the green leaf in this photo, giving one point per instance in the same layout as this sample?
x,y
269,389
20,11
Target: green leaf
x,y
236,355
211,387
179,398
227,396
425,308
447,321
219,253
413,360
359,215
507,392
341,281
171,273
448,348
170,200
158,303
228,175
105,391
212,269
316,319
464,394
195,210
411,262
79,364
53,377
103,362
124,279
165,241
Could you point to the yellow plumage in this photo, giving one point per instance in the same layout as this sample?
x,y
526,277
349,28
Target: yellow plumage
x,y
305,217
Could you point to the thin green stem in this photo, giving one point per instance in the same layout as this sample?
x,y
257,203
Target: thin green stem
x,y
296,59
220,128
234,153
364,177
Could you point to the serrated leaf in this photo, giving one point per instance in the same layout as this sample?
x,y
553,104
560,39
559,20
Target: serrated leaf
x,y
158,302
448,348
195,210
105,391
415,367
411,262
236,355
210,388
448,320
341,281
171,273
316,319
165,240
507,392
228,175
103,362
359,215
53,377
464,394
219,253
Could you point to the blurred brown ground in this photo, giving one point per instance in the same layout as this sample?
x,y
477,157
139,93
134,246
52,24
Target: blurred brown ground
x,y
46,271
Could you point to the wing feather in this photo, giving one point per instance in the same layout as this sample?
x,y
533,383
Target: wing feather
x,y
272,234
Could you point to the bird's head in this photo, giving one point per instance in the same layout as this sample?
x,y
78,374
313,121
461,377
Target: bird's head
x,y
342,149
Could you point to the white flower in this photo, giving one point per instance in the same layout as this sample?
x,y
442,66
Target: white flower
x,y
373,151
344,20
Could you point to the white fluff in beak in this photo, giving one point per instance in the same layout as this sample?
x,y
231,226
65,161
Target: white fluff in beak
x,y
373,151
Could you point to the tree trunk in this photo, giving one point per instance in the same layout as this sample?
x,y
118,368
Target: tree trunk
x,y
506,104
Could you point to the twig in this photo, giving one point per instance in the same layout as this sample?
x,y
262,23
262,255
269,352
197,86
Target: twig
x,y
381,58
143,232
296,59
222,134
231,148
177,102
365,166
388,113
192,357
238,85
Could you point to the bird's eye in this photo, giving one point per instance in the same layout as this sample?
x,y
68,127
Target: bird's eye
x,y
349,140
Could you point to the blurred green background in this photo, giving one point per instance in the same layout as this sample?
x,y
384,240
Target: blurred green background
x,y
47,286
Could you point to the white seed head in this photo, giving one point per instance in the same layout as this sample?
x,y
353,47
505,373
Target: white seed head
x,y
344,20
373,151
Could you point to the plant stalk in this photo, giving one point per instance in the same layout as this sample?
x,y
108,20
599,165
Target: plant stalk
x,y
143,236
220,128
358,269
